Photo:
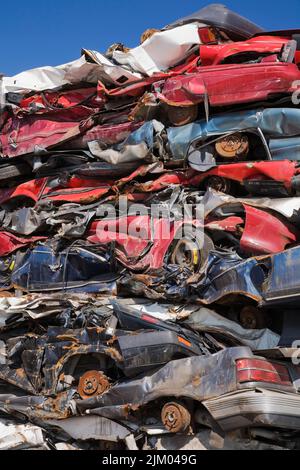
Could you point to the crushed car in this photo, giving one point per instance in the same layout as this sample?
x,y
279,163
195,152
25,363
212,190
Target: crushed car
x,y
150,242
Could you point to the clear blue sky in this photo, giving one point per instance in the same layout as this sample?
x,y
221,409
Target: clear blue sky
x,y
51,32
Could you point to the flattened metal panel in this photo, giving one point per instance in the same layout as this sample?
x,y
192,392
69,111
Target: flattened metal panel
x,y
284,281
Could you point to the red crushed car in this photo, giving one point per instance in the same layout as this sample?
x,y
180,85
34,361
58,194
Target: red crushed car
x,y
225,85
253,49
144,242
269,178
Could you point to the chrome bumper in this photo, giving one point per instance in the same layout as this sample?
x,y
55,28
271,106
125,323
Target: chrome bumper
x,y
258,407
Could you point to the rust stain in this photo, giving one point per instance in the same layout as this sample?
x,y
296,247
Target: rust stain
x,y
196,381
112,341
114,354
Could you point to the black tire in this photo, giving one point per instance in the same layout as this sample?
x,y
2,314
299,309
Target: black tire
x,y
189,251
251,318
223,185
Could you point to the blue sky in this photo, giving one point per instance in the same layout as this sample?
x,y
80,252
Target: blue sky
x,y
51,32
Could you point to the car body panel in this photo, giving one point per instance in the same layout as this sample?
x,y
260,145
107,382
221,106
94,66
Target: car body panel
x,y
261,232
74,269
230,84
141,242
281,172
287,33
249,405
287,148
260,45
134,314
265,233
228,275
73,188
229,224
270,280
149,350
107,134
77,190
37,133
46,358
287,207
256,408
279,126
9,243
283,283
49,101
198,378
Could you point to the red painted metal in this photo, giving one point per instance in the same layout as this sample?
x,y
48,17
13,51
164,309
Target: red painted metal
x,y
230,224
217,54
141,242
74,189
49,101
281,171
264,233
25,135
10,243
230,84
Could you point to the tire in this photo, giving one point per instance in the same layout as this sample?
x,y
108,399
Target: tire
x,y
180,116
252,318
188,251
219,184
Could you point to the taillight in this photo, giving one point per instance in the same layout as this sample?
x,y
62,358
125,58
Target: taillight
x,y
259,370
184,341
149,319
208,36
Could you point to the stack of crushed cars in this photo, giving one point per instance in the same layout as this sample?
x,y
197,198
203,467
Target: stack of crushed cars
x,y
117,339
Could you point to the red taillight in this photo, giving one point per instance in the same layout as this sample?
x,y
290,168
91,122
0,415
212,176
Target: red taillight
x,y
149,319
208,36
259,370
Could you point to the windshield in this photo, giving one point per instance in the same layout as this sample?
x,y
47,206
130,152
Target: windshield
x,y
221,17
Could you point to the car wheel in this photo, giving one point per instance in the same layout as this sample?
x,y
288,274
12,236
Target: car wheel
x,y
219,184
189,252
233,146
93,383
175,417
251,318
180,116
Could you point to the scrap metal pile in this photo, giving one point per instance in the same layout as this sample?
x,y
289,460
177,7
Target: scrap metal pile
x,y
115,331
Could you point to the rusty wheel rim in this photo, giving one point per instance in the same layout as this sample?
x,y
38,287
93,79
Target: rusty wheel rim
x,y
175,417
233,146
93,383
